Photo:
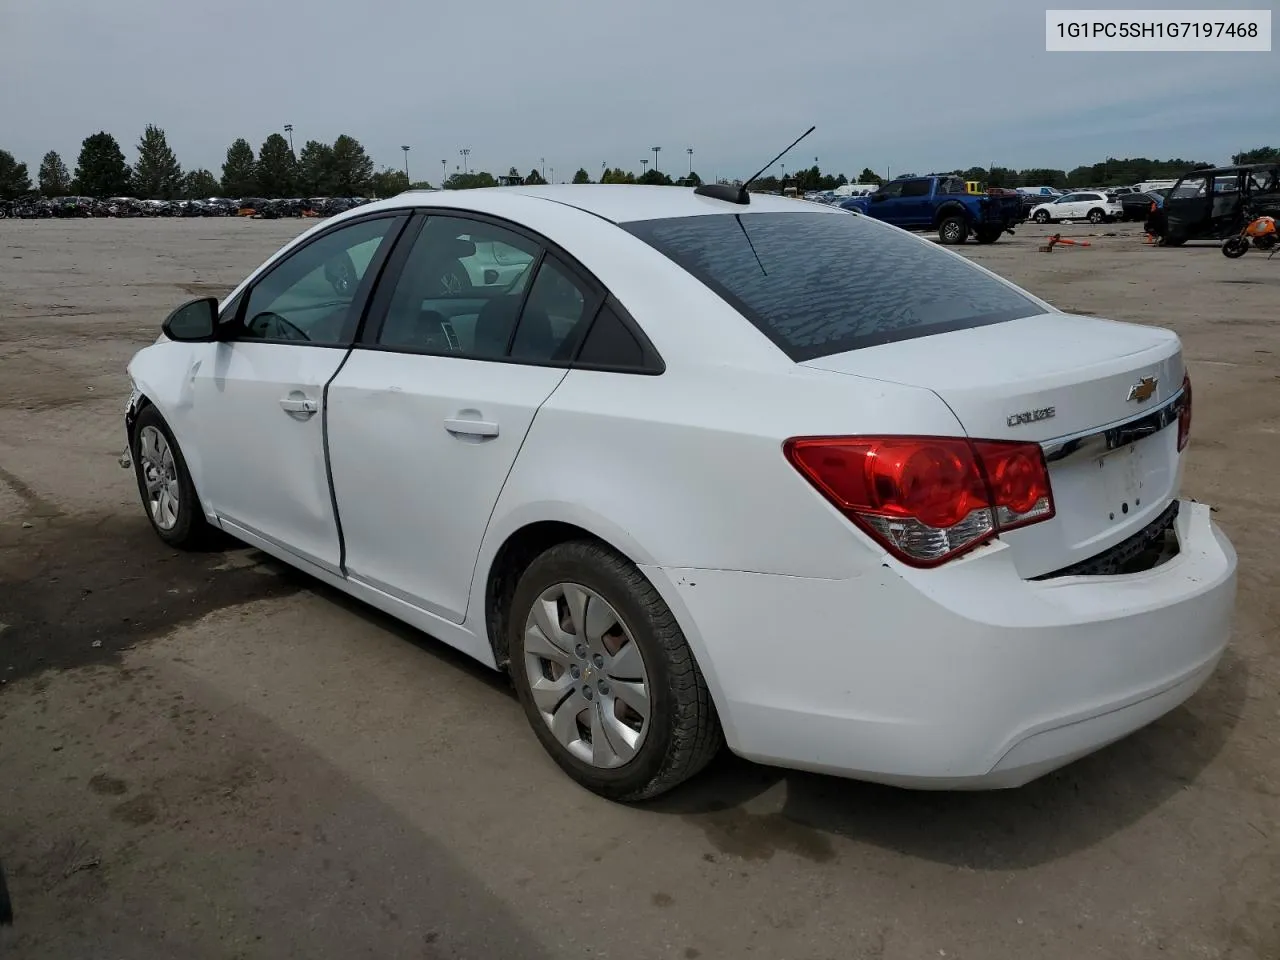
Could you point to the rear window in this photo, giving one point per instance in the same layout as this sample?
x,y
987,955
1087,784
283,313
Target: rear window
x,y
818,284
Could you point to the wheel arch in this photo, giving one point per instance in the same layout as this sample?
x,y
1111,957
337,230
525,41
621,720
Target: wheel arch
x,y
951,208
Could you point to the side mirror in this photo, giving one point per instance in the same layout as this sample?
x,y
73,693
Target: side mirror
x,y
193,322
877,197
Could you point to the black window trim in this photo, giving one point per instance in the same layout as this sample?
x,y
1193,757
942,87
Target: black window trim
x,y
363,292
599,295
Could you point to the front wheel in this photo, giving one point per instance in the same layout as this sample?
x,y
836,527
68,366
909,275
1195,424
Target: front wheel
x,y
605,675
953,230
1235,248
1097,216
164,483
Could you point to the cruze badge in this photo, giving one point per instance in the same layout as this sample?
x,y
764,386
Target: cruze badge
x,y
1031,416
1143,390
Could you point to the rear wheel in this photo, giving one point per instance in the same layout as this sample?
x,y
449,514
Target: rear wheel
x,y
1042,216
953,230
605,675
989,234
164,483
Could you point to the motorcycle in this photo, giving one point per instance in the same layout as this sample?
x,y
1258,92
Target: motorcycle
x,y
1260,233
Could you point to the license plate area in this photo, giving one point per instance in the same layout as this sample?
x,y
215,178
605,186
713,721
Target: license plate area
x,y
1123,477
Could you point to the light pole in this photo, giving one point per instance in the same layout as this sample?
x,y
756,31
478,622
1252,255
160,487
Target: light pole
x,y
644,168
553,175
444,172
466,152
288,128
689,151
542,167
405,148
655,158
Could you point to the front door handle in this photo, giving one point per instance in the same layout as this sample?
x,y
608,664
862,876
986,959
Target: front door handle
x,y
298,405
472,428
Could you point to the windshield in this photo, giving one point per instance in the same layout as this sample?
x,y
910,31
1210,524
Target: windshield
x,y
819,283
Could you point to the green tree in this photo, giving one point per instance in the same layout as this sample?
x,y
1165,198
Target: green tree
x,y
352,167
14,179
1043,177
656,178
692,180
240,170
534,177
315,169
617,175
199,185
470,181
101,170
389,182
1257,155
157,175
277,169
582,176
55,179
869,176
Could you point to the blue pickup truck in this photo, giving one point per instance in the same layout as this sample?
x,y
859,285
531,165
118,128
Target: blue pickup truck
x,y
941,203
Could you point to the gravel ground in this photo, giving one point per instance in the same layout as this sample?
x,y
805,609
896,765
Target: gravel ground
x,y
207,755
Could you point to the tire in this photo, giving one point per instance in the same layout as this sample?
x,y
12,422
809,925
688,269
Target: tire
x,y
1235,248
953,231
1168,241
189,529
681,734
1042,216
1097,215
988,234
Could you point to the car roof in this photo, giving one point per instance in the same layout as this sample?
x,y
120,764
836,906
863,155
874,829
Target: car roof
x,y
617,203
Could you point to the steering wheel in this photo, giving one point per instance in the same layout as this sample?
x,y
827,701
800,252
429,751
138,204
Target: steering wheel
x,y
272,326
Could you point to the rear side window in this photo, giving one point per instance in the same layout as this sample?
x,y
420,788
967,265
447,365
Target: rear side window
x,y
823,283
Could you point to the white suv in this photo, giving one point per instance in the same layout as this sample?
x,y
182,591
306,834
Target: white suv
x,y
1094,207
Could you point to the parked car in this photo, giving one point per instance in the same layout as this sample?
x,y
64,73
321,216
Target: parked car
x,y
1216,204
1094,207
696,439
942,204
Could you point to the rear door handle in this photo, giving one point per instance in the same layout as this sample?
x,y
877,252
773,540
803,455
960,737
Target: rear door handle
x,y
472,428
297,405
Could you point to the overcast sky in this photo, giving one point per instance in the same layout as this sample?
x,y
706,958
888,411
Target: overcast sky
x,y
901,85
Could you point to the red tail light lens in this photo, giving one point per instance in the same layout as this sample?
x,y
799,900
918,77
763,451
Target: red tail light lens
x,y
927,499
1184,414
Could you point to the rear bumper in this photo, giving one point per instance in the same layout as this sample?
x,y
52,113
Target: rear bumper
x,y
963,677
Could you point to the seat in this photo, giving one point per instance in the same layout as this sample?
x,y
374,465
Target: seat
x,y
534,340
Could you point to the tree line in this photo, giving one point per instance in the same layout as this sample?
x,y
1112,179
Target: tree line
x,y
344,169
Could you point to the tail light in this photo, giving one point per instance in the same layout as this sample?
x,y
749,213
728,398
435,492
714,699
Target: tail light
x,y
927,499
1184,414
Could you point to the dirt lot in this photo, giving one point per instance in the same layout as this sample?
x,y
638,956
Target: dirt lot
x,y
209,756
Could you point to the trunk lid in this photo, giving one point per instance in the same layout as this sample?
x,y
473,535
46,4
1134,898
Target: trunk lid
x,y
1046,378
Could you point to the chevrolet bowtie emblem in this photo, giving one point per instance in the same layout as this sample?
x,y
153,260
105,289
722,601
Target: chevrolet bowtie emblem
x,y
1143,390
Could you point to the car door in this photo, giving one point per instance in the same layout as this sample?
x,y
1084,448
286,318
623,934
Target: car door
x,y
914,206
427,415
1187,207
884,203
258,399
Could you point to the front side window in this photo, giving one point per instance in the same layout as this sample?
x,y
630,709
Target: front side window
x,y
1190,188
918,188
310,297
820,283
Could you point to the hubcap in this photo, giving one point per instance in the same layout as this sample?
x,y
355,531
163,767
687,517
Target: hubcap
x,y
587,675
159,476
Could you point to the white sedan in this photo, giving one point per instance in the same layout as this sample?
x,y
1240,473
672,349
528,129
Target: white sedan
x,y
1087,205
708,469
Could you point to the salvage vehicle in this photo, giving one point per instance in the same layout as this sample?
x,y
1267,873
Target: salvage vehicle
x,y
1216,204
1137,206
1085,205
1261,234
697,435
942,204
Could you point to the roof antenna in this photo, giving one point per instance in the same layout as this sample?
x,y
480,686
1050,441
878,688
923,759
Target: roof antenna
x,y
726,191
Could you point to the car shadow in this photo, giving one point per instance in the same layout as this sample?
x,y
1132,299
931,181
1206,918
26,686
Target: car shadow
x,y
1063,812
